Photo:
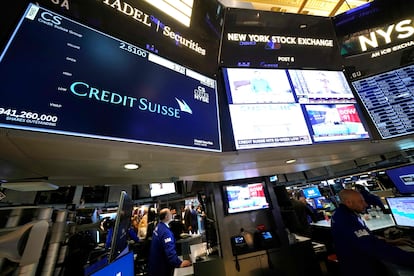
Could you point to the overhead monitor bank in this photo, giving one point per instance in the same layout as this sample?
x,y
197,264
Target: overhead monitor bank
x,y
279,107
377,45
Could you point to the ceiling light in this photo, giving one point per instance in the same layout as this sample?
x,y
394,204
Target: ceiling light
x,y
131,166
290,161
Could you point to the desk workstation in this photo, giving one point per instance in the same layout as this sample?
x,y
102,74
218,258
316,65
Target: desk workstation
x,y
205,266
377,223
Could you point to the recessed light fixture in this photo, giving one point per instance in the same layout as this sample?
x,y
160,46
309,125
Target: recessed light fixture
x,y
131,166
290,161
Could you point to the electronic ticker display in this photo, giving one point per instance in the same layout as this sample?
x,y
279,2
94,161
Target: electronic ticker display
x,y
389,100
60,76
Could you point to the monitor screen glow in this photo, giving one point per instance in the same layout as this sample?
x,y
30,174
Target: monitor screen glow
x,y
402,178
158,189
333,122
402,210
245,197
311,192
283,107
388,99
124,265
156,105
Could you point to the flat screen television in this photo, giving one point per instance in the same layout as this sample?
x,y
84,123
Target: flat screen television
x,y
321,86
122,266
319,202
335,122
311,192
388,99
116,91
284,107
402,210
159,189
245,197
402,178
119,239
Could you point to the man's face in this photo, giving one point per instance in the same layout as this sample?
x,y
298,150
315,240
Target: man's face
x,y
357,203
168,217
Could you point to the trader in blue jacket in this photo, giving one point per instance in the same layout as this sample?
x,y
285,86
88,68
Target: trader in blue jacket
x,y
163,256
358,250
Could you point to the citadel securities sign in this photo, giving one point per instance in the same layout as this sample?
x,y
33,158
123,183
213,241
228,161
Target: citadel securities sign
x,y
150,20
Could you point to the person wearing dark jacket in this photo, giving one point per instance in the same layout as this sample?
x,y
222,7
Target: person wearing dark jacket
x,y
163,256
305,214
370,198
358,250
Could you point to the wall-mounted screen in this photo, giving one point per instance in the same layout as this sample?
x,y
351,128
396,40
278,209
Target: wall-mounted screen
x,y
281,107
335,122
267,39
158,189
78,81
311,192
317,86
245,197
389,99
402,210
402,178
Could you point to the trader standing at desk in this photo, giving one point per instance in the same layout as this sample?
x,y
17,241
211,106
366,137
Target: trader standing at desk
x,y
359,251
163,256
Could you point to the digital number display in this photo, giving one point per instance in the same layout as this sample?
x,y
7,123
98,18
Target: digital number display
x,y
60,76
389,99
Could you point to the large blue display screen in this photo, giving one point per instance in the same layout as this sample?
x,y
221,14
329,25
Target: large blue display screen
x,y
60,76
124,265
403,178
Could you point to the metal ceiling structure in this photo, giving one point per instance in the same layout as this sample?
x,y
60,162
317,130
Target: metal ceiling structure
x,y
310,7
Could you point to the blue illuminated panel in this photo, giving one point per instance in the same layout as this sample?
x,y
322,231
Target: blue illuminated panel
x,y
62,77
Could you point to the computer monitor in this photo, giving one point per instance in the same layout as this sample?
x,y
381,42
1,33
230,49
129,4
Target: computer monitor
x,y
122,266
119,240
319,202
402,210
240,197
311,192
402,178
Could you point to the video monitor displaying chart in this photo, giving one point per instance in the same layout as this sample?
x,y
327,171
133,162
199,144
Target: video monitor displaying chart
x,y
60,76
402,210
281,107
389,99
